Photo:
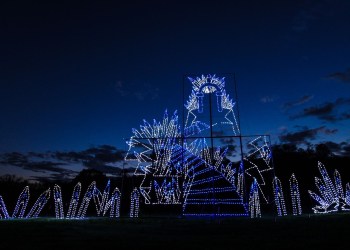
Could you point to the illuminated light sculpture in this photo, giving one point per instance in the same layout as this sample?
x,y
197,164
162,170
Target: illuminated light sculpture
x,y
113,204
168,192
156,143
103,203
73,205
21,204
57,195
295,195
105,196
86,200
240,182
3,210
338,185
207,85
331,198
262,172
208,192
97,197
279,198
254,201
39,204
185,167
347,193
134,203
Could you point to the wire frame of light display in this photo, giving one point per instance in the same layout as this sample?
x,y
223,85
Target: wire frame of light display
x,y
21,204
113,205
86,200
184,166
103,203
39,204
295,195
134,203
279,197
254,200
73,205
57,194
331,196
3,210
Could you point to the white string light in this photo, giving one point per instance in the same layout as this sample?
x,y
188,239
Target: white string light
x,y
39,204
331,198
73,205
135,203
295,195
279,198
3,210
57,194
86,200
21,204
254,201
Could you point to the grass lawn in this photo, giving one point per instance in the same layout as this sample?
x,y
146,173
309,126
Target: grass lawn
x,y
304,232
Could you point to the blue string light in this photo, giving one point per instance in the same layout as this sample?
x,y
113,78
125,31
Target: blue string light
x,y
3,210
57,194
295,195
331,198
279,198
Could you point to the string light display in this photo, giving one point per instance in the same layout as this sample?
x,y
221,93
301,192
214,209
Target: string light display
x,y
331,198
57,194
73,205
21,204
39,204
113,204
279,198
254,200
182,168
103,203
240,182
86,200
295,195
135,203
207,85
3,210
105,197
262,172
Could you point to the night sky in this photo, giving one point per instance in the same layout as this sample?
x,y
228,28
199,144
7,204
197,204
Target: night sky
x,y
74,76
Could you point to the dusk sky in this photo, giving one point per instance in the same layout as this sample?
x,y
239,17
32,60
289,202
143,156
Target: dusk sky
x,y
75,75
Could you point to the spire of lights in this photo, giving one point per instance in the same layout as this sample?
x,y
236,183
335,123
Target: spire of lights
x,y
73,205
21,204
135,203
279,198
295,195
39,204
57,195
3,211
254,201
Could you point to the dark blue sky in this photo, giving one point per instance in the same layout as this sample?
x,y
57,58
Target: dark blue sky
x,y
76,75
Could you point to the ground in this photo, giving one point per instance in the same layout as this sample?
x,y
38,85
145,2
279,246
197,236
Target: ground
x,y
304,232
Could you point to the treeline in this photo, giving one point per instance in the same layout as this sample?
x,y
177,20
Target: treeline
x,y
287,159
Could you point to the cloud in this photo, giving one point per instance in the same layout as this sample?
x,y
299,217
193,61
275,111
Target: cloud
x,y
311,12
341,149
305,135
139,91
326,111
268,99
58,165
300,101
340,76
